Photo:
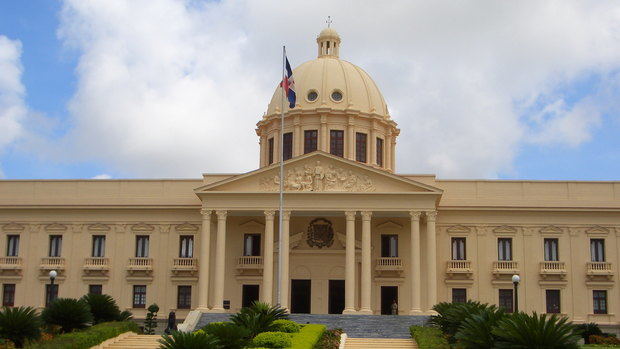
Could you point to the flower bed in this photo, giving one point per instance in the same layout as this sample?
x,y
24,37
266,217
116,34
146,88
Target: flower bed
x,y
87,338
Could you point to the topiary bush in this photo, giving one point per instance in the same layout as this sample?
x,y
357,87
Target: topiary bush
x,y
189,340
87,338
287,326
521,330
68,314
272,340
19,325
429,337
588,329
229,335
150,322
103,307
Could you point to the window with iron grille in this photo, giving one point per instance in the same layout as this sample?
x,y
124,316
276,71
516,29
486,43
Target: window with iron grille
x,y
142,246
12,247
597,250
506,300
553,301
310,141
336,142
184,297
98,246
95,289
288,146
8,295
270,151
458,249
600,301
551,250
504,249
186,246
459,295
360,147
139,296
380,151
55,245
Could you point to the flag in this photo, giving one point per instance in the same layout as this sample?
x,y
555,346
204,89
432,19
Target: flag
x,y
288,84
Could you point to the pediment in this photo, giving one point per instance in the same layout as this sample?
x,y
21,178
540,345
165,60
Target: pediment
x,y
13,227
389,225
319,172
252,223
597,230
505,229
142,227
98,227
186,227
458,229
55,227
551,229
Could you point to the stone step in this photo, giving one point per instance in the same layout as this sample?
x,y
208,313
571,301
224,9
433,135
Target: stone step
x,y
376,343
135,341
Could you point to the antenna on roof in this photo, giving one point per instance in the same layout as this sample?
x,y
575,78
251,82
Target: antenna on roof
x,y
329,21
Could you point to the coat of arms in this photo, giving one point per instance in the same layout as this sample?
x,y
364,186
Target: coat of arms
x,y
320,233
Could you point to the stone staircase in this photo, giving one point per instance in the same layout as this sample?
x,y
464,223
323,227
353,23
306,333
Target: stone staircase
x,y
132,341
356,326
382,343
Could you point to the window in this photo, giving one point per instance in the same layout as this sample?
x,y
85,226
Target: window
x,y
336,142
458,249
186,246
270,151
553,301
389,245
380,152
360,147
98,246
55,245
95,289
336,95
142,246
12,247
8,295
288,146
51,293
459,295
504,249
310,141
251,245
139,296
600,301
505,300
597,250
312,96
184,297
551,250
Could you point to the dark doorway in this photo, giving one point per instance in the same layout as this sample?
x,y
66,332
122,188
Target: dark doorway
x,y
300,296
389,294
249,294
336,296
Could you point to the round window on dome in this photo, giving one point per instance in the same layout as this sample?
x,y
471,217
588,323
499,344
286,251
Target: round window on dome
x,y
337,96
312,96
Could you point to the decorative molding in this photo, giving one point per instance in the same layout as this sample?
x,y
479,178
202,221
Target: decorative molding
x,y
120,228
505,229
164,228
389,225
320,233
269,214
483,230
77,228
56,227
142,228
252,223
13,227
415,215
551,229
350,215
286,215
98,228
221,214
458,229
342,239
431,216
318,178
528,231
206,212
597,230
366,215
186,227
572,231
295,240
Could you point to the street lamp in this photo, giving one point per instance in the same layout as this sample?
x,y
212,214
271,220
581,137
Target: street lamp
x,y
53,275
515,282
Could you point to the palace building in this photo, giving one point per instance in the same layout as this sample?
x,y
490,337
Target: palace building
x,y
357,236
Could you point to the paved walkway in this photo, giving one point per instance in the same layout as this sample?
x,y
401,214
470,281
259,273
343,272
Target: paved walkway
x,y
376,343
134,341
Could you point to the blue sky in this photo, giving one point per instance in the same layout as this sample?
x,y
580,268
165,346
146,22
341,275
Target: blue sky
x,y
52,46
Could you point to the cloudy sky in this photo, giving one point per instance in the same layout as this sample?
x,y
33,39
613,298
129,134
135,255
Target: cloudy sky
x,y
172,88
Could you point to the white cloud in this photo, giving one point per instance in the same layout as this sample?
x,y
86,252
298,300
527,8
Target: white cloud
x,y
13,110
173,88
102,176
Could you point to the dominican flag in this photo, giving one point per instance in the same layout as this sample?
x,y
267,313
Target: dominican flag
x,y
288,84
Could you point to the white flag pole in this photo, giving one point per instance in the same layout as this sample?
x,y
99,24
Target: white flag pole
x,y
279,283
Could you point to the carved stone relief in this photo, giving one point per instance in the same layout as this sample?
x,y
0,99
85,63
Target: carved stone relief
x,y
318,178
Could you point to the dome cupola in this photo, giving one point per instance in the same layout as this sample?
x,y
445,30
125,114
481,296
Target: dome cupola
x,y
329,43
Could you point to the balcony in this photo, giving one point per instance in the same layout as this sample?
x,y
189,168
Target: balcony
x,y
555,268
52,263
505,267
140,264
180,265
389,264
10,263
250,262
459,267
96,264
594,269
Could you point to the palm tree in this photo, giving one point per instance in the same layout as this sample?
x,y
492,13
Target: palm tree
x,y
450,316
476,330
19,324
536,331
68,314
102,306
188,340
258,317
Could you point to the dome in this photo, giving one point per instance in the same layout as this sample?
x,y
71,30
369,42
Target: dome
x,y
329,82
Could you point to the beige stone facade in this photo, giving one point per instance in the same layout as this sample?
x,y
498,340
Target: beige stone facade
x,y
352,229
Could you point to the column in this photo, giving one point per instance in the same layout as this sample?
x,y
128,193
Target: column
x,y
284,277
203,264
393,155
298,147
414,248
350,140
220,262
349,283
387,144
323,135
372,145
267,291
366,263
431,261
263,151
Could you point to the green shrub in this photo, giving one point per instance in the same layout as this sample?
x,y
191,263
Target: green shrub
x,y
588,329
330,339
307,337
67,313
19,324
287,326
87,338
476,330
429,337
258,317
150,322
521,330
272,340
229,335
450,316
189,340
103,307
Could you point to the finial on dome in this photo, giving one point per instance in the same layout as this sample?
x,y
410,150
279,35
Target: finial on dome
x,y
328,41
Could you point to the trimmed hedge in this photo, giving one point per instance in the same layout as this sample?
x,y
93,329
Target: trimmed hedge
x,y
429,337
307,337
287,326
87,338
272,340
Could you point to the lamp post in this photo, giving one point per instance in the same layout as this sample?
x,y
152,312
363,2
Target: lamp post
x,y
515,282
52,275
